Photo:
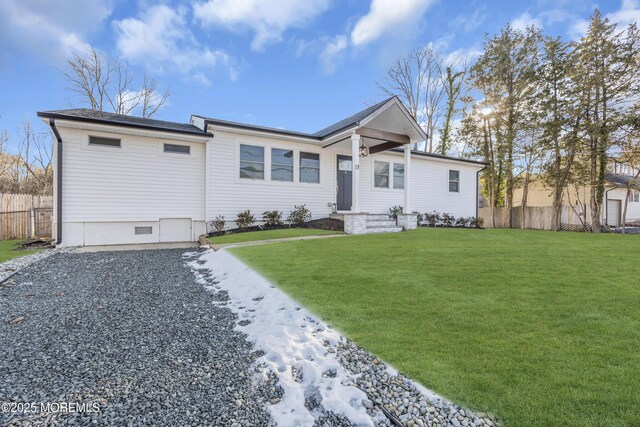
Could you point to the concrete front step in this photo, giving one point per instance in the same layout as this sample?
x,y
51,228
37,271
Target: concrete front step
x,y
380,222
383,229
379,217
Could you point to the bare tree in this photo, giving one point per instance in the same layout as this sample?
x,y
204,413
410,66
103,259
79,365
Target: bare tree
x,y
150,98
35,156
105,84
417,79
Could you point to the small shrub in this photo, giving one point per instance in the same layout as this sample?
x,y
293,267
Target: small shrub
x,y
475,222
272,217
461,222
245,219
217,223
420,217
432,217
394,211
299,215
448,219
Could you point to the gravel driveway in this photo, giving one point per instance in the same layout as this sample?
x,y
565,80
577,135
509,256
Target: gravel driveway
x,y
129,333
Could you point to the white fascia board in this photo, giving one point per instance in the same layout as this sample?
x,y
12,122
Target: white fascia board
x,y
126,130
265,134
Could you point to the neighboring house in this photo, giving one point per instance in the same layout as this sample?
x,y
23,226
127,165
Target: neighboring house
x,y
577,198
122,179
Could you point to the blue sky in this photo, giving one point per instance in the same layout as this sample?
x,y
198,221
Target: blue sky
x,y
294,64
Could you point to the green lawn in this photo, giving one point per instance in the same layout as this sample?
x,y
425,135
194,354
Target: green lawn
x,y
253,236
539,328
7,252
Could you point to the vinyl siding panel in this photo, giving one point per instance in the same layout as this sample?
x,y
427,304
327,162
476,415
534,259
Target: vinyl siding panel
x,y
229,194
137,182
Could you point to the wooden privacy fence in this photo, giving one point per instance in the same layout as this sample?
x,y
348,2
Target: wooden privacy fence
x,y
535,218
24,216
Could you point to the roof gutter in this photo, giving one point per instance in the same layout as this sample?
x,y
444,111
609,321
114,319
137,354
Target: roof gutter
x,y
52,123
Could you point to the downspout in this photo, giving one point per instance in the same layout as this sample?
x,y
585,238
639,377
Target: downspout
x,y
478,193
52,123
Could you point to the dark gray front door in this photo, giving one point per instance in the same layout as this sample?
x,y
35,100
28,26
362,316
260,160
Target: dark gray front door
x,y
344,183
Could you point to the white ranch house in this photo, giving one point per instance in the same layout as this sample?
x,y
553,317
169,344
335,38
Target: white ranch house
x,y
122,179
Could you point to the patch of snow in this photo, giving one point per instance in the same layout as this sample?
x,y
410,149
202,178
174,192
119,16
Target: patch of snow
x,y
293,342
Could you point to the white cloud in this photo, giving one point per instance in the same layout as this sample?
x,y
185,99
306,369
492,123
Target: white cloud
x,y
524,21
55,30
629,13
388,16
331,53
160,39
267,19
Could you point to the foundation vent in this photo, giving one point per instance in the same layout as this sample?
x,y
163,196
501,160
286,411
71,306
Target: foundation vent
x,y
143,230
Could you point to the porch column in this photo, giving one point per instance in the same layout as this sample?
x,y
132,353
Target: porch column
x,y
355,173
407,181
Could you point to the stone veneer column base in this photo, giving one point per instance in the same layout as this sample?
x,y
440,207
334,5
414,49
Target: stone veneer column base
x,y
355,223
409,221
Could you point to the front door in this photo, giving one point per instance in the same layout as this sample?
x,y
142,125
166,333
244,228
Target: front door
x,y
343,198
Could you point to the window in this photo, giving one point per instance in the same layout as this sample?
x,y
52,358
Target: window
x,y
174,148
309,167
634,196
281,165
344,165
454,181
104,142
251,162
381,174
398,176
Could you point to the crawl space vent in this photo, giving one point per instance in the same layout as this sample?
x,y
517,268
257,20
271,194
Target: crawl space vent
x,y
144,230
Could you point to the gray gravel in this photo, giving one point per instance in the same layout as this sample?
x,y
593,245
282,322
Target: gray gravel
x,y
131,331
399,396
9,268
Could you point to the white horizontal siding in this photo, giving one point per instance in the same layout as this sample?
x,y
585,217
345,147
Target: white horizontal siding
x,y
137,182
229,194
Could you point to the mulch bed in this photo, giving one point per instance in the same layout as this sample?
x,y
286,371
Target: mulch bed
x,y
318,224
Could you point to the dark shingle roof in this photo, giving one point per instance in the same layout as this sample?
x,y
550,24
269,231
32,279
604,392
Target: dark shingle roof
x,y
350,121
622,180
93,116
238,125
321,134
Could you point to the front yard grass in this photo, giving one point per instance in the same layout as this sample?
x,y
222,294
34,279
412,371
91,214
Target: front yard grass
x,y
281,233
7,252
538,328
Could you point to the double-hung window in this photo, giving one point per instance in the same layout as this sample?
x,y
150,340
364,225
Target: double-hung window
x,y
634,196
281,165
251,162
381,174
454,181
309,167
398,176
